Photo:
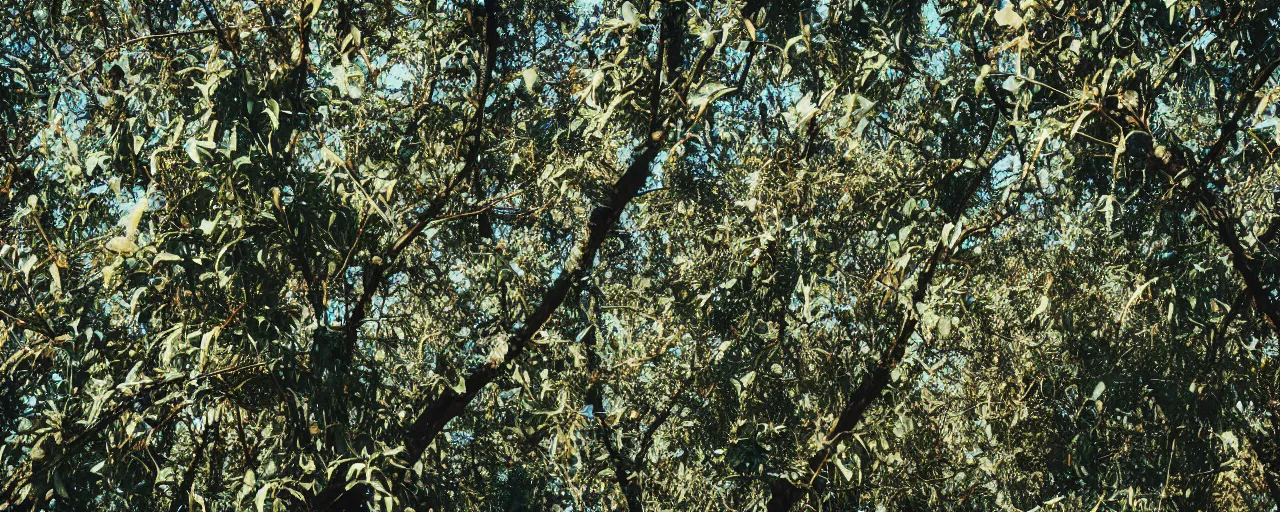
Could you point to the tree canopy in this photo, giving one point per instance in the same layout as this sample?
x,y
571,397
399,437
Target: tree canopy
x,y
640,255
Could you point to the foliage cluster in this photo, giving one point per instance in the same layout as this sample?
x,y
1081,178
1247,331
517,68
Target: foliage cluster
x,y
604,255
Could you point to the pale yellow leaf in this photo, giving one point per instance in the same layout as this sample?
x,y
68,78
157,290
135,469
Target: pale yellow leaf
x,y
122,245
1008,17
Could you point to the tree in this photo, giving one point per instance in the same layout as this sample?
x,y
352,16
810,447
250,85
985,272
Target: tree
x,y
541,255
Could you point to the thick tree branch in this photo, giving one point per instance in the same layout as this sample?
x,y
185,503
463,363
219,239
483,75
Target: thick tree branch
x,y
603,218
784,493
484,220
452,403
182,497
1232,126
1222,222
212,14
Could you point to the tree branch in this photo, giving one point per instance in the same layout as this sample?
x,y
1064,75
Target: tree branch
x,y
784,493
1219,219
189,476
377,271
623,466
451,403
603,218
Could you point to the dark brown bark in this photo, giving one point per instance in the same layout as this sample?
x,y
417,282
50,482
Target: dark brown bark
x,y
212,14
1205,192
484,220
1224,226
451,403
1244,264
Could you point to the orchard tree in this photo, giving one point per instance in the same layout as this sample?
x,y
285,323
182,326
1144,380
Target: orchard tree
x,y
626,255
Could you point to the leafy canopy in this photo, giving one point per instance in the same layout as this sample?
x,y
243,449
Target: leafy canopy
x,y
675,255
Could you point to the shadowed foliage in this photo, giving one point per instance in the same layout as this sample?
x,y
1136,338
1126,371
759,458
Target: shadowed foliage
x,y
624,255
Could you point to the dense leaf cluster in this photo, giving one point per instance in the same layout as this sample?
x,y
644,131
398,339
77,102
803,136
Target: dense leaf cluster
x,y
668,255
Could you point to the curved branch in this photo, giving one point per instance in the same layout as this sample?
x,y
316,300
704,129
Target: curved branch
x,y
784,493
451,403
377,271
